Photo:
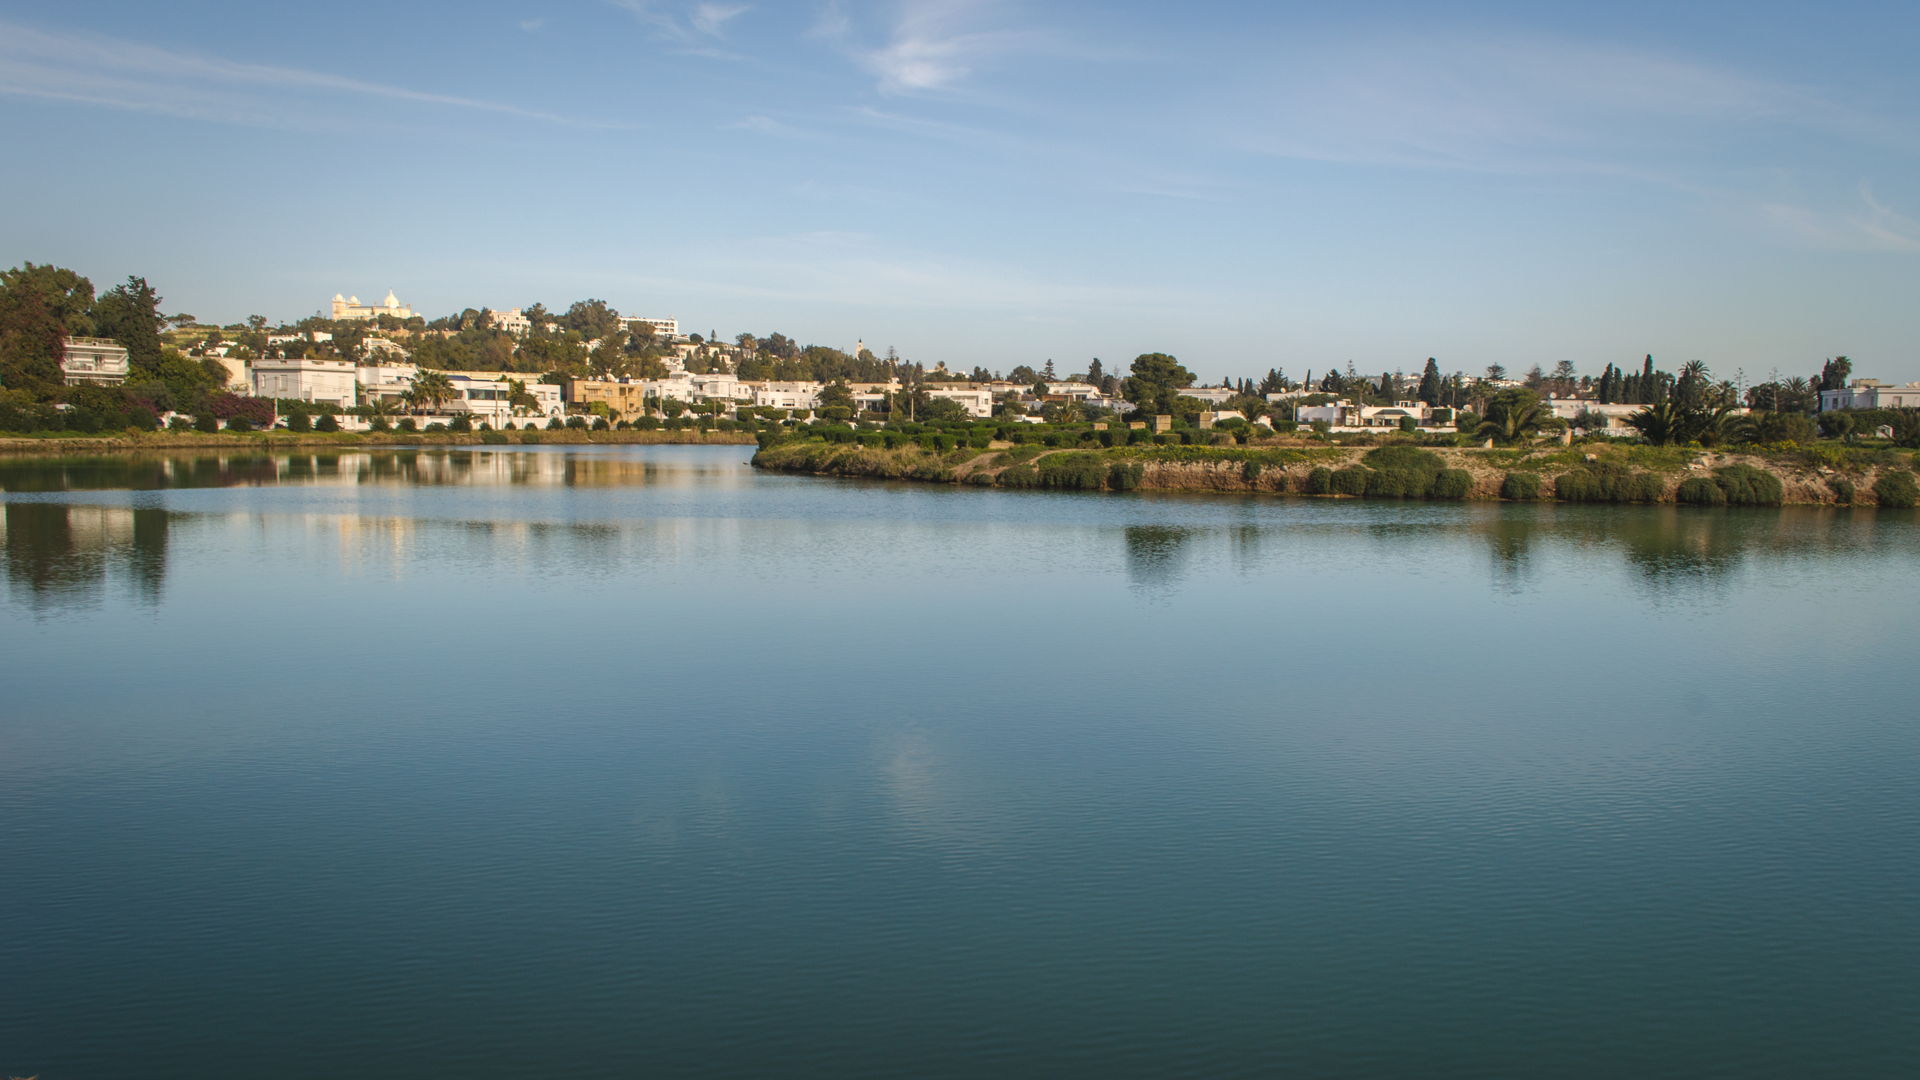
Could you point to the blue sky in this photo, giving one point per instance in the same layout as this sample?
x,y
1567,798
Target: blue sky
x,y
981,182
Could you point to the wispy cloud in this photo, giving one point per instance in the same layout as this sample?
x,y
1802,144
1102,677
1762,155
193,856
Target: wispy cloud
x,y
1514,104
767,125
830,267
932,45
533,24
116,73
696,30
1865,225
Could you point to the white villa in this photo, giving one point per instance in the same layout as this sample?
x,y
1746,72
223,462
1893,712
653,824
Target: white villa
x,y
667,328
333,382
1345,415
350,308
1871,394
510,320
93,361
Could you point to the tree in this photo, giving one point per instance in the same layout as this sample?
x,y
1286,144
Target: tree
x,y
130,314
591,319
67,296
1430,382
1156,380
1833,374
431,389
1665,422
1095,373
1023,375
835,394
1496,372
1046,372
1513,415
32,341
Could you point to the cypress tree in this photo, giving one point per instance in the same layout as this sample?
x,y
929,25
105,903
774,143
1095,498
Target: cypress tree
x,y
1430,382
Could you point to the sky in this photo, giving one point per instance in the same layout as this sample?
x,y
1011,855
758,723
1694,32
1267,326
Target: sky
x,y
986,182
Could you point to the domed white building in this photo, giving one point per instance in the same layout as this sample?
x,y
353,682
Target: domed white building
x,y
350,307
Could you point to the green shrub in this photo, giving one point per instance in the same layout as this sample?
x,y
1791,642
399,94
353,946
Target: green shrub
x,y
494,438
463,423
299,421
1319,482
1395,484
1250,471
1842,489
1082,471
1700,491
554,424
326,423
1019,476
239,423
1125,477
1896,489
1451,484
1351,480
405,424
1607,482
1745,485
530,436
206,422
1520,487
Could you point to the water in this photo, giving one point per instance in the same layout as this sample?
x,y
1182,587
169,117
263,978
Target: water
x,y
632,762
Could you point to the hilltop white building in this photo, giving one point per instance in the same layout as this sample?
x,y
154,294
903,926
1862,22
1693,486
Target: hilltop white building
x,y
350,308
667,329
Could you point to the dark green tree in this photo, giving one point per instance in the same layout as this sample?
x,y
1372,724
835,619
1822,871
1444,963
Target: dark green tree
x,y
1156,380
130,314
1430,382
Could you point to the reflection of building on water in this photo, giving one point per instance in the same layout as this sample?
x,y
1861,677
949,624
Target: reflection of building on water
x,y
60,553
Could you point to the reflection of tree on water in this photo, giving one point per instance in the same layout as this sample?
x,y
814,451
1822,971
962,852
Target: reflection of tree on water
x,y
1510,542
1156,554
58,554
1673,548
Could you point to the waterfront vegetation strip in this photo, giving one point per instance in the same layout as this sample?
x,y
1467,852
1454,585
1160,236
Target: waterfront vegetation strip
x,y
1586,473
140,441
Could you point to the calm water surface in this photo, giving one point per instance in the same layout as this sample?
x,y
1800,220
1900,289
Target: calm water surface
x,y
612,762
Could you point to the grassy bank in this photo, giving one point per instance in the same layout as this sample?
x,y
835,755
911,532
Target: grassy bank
x,y
1598,473
142,441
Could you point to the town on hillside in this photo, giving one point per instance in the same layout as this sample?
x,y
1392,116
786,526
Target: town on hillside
x,y
74,360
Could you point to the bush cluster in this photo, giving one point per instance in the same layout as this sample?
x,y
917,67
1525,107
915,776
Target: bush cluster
x,y
1607,482
1896,489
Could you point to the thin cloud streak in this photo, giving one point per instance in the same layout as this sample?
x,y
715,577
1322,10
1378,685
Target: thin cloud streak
x,y
152,79
1520,104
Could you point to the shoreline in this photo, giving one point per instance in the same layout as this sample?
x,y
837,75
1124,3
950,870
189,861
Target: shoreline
x,y
1636,474
141,442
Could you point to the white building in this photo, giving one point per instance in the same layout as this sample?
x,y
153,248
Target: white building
x,y
326,381
1212,395
510,320
786,395
486,396
978,401
668,329
350,308
1615,412
385,382
93,361
1345,415
1871,394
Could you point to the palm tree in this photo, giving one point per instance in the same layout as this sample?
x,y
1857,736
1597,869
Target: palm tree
x,y
431,389
1660,423
1513,415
